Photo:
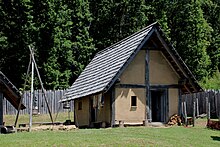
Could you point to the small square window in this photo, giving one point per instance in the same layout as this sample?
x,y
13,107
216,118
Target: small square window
x,y
133,101
80,105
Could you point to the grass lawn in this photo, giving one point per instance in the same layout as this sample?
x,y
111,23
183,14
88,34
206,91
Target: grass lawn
x,y
128,136
61,117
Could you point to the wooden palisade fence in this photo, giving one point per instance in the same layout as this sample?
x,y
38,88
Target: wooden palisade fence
x,y
207,102
39,102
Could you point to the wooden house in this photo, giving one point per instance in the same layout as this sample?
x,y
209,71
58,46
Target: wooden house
x,y
135,81
11,93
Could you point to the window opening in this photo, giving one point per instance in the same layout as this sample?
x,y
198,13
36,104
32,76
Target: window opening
x,y
133,101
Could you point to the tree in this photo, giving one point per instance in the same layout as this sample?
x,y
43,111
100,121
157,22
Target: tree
x,y
114,20
190,34
157,11
211,9
13,44
66,34
57,71
83,47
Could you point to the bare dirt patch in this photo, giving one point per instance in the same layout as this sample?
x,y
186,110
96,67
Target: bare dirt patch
x,y
49,127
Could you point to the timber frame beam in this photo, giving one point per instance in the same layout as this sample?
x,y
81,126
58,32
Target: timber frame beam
x,y
158,86
147,86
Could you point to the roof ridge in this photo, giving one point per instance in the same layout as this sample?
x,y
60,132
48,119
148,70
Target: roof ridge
x,y
119,42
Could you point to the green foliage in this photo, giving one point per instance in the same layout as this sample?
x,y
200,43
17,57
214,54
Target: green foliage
x,y
66,34
190,34
212,82
212,15
13,42
56,75
114,20
158,11
83,46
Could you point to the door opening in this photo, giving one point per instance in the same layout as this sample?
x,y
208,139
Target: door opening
x,y
92,111
159,105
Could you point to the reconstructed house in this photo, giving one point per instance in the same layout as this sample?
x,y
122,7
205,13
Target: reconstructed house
x,y
135,81
11,93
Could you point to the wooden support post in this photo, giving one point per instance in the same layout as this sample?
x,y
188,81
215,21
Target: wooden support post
x,y
218,105
180,102
182,108
208,105
197,104
194,109
1,108
32,95
24,88
185,111
41,83
147,84
113,107
121,124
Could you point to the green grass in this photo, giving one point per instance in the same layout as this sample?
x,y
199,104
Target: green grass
x,y
10,119
128,136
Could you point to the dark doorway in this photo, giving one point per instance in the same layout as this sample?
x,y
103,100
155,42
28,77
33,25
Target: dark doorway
x,y
159,105
92,111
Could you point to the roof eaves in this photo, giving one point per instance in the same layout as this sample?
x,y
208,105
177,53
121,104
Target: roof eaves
x,y
77,97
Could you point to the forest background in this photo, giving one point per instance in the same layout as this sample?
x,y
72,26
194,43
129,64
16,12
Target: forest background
x,y
66,34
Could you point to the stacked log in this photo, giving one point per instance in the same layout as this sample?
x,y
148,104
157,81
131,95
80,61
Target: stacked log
x,y
213,124
175,120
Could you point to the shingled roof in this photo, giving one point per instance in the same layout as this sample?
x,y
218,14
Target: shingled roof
x,y
10,92
107,65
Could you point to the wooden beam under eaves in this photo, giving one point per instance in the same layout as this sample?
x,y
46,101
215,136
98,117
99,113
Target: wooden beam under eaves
x,y
187,89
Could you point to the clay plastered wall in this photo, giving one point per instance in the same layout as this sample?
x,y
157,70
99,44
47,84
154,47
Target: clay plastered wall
x,y
82,116
160,70
103,113
124,111
173,101
135,72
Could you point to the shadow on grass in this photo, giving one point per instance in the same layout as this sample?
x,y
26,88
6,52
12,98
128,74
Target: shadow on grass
x,y
216,138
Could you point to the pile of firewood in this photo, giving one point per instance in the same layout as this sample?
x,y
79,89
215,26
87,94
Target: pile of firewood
x,y
213,124
175,120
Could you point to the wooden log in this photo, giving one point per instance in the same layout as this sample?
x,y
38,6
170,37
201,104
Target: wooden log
x,y
175,120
